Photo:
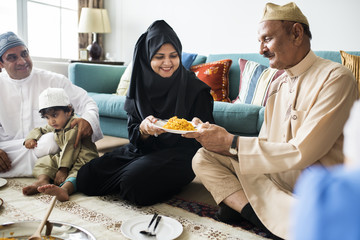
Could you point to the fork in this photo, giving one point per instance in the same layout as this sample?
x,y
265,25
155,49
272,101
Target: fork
x,y
147,231
156,224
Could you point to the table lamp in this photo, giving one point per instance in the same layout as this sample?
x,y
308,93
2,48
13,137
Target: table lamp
x,y
94,20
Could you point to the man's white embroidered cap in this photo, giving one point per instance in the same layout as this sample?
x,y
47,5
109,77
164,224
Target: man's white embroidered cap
x,y
53,97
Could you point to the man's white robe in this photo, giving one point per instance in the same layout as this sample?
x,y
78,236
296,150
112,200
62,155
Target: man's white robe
x,y
19,113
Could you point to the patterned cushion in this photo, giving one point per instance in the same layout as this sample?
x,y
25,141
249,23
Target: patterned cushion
x,y
353,63
255,80
216,75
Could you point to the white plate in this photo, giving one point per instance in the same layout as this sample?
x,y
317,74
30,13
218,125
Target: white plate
x,y
161,123
167,229
3,181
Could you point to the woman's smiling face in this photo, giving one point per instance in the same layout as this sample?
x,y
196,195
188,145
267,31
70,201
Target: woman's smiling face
x,y
165,61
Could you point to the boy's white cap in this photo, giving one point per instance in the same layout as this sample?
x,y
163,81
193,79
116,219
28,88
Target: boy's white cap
x,y
53,97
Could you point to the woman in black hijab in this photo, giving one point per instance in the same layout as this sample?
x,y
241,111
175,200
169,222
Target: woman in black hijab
x,y
155,165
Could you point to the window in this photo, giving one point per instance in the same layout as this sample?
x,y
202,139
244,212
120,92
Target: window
x,y
49,27
8,15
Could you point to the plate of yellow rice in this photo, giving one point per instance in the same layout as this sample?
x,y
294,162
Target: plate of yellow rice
x,y
176,125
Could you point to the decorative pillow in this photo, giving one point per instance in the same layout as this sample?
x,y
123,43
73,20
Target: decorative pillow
x,y
216,75
353,63
255,80
187,59
124,81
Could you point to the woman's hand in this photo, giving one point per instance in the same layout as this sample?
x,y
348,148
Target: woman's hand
x,y
212,137
196,121
30,143
147,127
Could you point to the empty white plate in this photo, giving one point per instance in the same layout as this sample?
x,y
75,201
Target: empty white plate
x,y
167,229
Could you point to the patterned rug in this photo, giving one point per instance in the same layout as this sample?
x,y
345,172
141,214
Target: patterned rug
x,y
103,216
205,210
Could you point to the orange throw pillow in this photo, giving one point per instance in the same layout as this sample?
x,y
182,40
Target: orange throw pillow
x,y
216,76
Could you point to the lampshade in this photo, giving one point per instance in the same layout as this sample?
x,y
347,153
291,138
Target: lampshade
x,y
94,20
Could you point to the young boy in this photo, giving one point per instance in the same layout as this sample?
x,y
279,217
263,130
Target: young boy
x,y
61,168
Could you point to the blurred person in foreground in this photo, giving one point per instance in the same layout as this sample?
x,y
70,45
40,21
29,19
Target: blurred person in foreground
x,y
328,206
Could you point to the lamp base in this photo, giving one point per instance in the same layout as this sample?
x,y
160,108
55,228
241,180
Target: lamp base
x,y
95,51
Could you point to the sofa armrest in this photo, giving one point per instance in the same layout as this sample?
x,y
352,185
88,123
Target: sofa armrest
x,y
98,78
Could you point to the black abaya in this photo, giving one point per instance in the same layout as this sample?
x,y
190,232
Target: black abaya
x,y
149,171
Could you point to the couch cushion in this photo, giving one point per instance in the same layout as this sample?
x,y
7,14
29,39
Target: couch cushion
x,y
187,59
255,80
216,75
241,119
112,126
96,77
110,105
199,60
234,74
124,81
353,63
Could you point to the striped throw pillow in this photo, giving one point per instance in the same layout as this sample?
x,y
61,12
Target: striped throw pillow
x,y
255,80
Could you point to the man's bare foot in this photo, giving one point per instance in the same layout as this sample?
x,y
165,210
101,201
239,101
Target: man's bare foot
x,y
53,190
32,189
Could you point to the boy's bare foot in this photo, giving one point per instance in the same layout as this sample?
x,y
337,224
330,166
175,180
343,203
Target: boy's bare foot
x,y
53,190
32,189
61,175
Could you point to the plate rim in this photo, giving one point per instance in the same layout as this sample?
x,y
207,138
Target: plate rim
x,y
148,216
3,182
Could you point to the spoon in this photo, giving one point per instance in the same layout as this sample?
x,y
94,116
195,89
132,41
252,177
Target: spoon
x,y
37,233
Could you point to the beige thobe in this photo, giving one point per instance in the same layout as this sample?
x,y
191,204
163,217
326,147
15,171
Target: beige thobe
x,y
304,118
69,157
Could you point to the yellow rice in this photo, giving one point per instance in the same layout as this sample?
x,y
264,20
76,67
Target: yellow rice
x,y
176,123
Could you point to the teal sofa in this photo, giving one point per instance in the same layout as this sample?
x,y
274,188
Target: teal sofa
x,y
101,82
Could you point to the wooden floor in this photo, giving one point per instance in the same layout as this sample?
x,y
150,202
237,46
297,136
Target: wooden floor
x,y
195,191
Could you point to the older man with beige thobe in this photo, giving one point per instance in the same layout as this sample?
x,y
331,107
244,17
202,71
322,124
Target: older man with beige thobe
x,y
304,118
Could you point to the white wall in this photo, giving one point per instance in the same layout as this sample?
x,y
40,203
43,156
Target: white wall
x,y
227,26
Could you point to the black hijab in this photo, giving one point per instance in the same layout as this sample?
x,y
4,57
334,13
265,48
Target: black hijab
x,y
151,94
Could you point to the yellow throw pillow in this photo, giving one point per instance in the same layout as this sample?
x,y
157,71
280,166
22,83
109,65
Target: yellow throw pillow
x,y
353,63
124,81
